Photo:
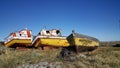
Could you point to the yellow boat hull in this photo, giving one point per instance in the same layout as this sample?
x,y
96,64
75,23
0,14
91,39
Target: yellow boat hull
x,y
85,42
16,42
55,42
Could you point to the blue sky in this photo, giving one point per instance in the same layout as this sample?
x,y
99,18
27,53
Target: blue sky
x,y
97,18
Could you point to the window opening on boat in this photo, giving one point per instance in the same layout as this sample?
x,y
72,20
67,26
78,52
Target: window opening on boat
x,y
57,31
20,34
47,32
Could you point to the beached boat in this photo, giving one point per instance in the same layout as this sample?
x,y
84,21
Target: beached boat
x,y
22,38
50,38
79,42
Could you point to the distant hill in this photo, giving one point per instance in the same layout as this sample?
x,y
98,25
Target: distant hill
x,y
1,43
110,43
102,43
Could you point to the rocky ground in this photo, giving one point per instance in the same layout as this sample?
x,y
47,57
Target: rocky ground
x,y
42,65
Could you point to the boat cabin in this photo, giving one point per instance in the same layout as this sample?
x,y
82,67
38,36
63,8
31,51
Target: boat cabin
x,y
52,32
23,34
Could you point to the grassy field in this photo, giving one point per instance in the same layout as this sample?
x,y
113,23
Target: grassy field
x,y
103,57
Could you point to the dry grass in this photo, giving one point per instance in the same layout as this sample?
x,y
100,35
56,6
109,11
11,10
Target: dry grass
x,y
11,58
103,57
